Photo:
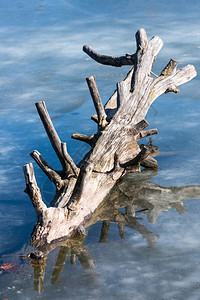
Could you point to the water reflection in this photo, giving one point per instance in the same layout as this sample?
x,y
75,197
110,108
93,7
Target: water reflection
x,y
77,250
133,197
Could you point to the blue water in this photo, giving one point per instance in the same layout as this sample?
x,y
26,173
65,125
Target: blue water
x,y
41,58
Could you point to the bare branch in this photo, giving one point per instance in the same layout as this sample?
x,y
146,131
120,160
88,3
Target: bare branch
x,y
140,126
81,185
128,59
170,83
170,68
47,169
83,138
115,150
142,155
145,133
97,101
63,195
184,75
141,39
113,102
95,118
68,158
51,132
33,190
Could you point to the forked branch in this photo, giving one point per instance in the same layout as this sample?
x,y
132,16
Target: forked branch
x,y
47,169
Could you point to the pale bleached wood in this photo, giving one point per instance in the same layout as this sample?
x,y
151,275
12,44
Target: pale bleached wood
x,y
115,150
146,133
97,101
47,169
33,190
68,158
83,138
51,132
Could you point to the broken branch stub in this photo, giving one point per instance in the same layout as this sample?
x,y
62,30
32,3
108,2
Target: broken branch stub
x,y
114,148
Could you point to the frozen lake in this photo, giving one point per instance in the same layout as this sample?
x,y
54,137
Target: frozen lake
x,y
41,58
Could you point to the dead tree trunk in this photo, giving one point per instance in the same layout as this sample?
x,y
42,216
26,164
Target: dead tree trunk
x,y
114,149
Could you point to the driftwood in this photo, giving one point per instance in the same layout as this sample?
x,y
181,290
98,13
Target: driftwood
x,y
131,197
114,148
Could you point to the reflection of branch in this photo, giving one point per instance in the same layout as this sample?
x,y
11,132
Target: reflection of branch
x,y
133,223
77,249
104,231
73,257
39,272
121,230
154,197
62,256
84,258
133,191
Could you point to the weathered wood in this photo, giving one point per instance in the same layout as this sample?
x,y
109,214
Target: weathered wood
x,y
115,150
51,132
128,59
97,101
47,169
131,192
70,161
95,118
33,190
145,133
83,138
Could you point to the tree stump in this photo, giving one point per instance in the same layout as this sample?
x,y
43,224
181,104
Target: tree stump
x,y
114,147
